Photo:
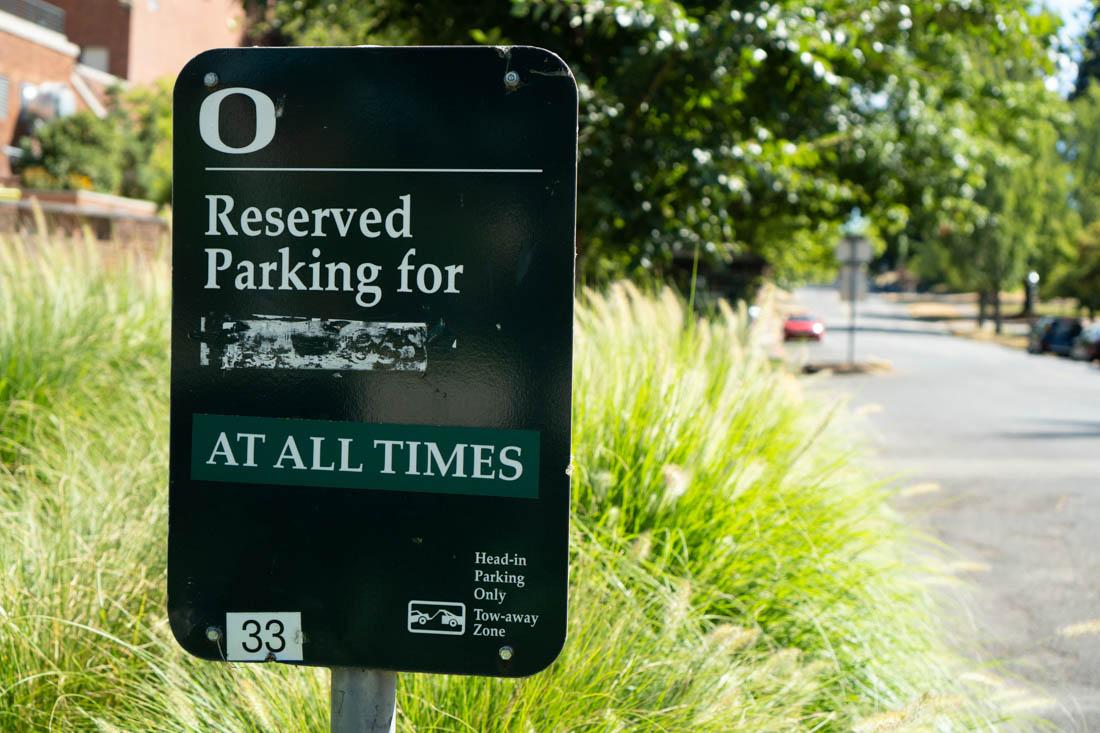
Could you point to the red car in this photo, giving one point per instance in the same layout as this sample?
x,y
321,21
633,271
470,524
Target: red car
x,y
803,326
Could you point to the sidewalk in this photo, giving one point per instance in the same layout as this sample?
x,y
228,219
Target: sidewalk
x,y
958,312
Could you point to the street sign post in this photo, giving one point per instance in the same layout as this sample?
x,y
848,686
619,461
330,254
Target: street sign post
x,y
852,283
373,254
853,252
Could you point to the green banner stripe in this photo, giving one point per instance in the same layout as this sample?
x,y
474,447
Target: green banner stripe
x,y
417,458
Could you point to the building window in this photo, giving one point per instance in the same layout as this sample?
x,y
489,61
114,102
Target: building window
x,y
5,89
97,57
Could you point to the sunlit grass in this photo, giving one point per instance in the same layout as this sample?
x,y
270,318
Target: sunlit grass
x,y
734,567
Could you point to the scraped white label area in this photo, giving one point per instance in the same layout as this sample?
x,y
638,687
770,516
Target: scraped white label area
x,y
274,636
294,342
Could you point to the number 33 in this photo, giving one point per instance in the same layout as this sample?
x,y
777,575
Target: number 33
x,y
274,630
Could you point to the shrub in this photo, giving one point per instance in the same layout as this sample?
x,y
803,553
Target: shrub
x,y
733,566
128,152
79,151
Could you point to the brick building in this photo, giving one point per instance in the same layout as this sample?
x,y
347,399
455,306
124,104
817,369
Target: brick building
x,y
60,56
145,40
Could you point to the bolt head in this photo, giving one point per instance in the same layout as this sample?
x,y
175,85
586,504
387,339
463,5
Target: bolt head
x,y
511,79
211,79
506,653
213,633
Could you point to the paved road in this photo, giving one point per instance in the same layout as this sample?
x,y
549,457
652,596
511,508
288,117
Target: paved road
x,y
1014,442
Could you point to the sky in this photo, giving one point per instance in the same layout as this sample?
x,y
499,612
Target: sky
x,y
1076,15
1074,11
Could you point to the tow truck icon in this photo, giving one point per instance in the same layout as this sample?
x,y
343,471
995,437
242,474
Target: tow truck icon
x,y
437,617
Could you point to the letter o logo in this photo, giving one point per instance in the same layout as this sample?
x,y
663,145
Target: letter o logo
x,y
210,116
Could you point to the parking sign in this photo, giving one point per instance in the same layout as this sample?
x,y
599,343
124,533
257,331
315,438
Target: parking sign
x,y
373,258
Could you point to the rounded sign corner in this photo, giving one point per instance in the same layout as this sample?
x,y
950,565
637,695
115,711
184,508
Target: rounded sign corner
x,y
185,637
191,69
541,664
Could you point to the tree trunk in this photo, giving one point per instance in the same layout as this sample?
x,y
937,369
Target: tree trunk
x,y
1029,299
998,322
983,304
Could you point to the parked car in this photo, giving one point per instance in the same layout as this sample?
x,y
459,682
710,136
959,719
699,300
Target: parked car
x,y
1055,335
1087,346
803,326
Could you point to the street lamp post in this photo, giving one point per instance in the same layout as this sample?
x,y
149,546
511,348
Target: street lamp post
x,y
1031,294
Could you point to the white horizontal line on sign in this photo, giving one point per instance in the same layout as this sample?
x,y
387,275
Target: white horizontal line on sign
x,y
371,170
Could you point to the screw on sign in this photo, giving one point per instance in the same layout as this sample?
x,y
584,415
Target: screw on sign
x,y
373,265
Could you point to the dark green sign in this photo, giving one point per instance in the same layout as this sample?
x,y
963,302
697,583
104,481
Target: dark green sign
x,y
355,455
371,357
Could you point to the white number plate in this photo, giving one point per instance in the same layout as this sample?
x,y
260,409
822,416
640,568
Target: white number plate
x,y
258,637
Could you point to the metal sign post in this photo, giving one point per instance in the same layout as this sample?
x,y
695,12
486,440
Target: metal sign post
x,y
853,275
363,700
372,268
853,253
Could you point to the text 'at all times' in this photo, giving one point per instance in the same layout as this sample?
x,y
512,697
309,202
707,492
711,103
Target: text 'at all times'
x,y
387,457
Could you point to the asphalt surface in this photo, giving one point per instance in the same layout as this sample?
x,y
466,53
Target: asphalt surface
x,y
1012,443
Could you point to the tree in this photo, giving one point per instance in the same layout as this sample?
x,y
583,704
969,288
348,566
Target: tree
x,y
995,191
1088,69
1082,280
1079,277
685,144
1019,219
1083,152
75,152
128,152
713,128
736,128
1005,237
147,155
